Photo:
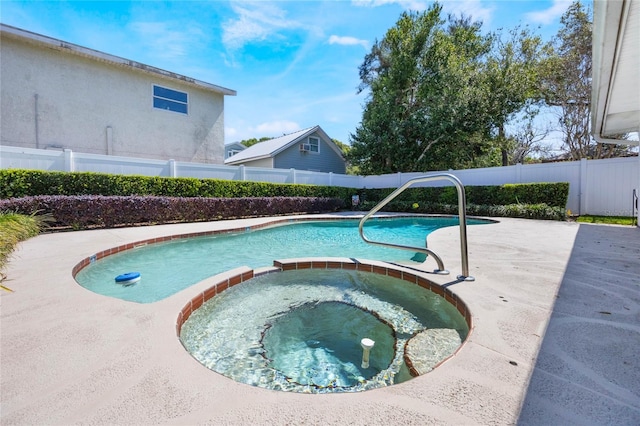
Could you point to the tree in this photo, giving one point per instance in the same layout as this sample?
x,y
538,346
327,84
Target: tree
x,y
343,146
351,169
441,94
567,79
527,139
512,72
424,110
253,141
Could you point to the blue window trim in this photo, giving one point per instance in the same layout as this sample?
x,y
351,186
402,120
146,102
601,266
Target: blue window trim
x,y
170,99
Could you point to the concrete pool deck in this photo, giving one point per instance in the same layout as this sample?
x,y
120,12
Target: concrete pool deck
x,y
556,339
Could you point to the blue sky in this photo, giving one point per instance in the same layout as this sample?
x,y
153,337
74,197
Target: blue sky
x,y
294,64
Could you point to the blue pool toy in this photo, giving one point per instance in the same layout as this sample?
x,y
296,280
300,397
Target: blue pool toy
x,y
128,278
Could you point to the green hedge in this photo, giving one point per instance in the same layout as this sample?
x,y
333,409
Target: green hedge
x,y
539,200
16,183
553,194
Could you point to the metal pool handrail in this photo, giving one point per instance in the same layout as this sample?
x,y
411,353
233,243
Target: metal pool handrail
x,y
462,214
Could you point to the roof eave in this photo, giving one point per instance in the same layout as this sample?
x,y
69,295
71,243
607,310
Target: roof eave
x,y
63,46
611,27
244,160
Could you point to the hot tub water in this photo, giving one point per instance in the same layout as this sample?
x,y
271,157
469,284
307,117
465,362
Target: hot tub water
x,y
301,330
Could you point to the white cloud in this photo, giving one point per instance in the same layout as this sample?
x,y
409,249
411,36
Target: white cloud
x,y
348,41
276,128
472,8
406,4
547,16
255,22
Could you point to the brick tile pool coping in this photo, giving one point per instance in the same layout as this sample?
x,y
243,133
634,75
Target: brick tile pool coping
x,y
376,267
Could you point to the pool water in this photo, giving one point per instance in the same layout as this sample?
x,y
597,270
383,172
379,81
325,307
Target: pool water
x,y
300,331
310,350
169,267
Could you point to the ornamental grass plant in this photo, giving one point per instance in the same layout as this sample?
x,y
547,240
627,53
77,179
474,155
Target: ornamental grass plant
x,y
13,229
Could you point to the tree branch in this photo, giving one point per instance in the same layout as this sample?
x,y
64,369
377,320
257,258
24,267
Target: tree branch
x,y
424,151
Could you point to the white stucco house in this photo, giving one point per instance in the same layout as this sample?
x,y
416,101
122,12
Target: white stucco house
x,y
308,149
58,95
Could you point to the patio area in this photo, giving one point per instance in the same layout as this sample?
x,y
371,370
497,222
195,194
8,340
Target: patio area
x,y
556,337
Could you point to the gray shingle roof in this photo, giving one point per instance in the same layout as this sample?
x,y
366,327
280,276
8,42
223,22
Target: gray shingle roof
x,y
271,147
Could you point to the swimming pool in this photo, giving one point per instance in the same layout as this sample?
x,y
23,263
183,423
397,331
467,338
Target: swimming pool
x,y
172,266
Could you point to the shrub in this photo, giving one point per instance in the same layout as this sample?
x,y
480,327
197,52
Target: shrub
x,y
24,183
85,211
13,229
522,200
553,194
530,211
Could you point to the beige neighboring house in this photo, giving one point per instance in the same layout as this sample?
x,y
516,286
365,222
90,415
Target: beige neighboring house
x,y
58,95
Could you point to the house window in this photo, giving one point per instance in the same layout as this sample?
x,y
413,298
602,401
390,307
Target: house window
x,y
233,152
171,100
314,144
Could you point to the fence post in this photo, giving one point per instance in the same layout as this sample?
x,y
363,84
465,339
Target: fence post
x,y
330,178
519,173
68,161
582,189
242,176
172,168
292,173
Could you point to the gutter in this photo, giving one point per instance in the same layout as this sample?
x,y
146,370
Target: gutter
x,y
601,139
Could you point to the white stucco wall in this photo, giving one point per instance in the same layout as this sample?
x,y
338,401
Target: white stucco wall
x,y
55,99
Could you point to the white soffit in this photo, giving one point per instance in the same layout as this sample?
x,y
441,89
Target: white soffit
x,y
616,68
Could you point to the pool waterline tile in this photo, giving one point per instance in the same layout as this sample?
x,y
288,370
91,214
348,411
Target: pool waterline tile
x,y
352,264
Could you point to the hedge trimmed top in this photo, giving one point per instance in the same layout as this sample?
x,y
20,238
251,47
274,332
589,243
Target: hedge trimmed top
x,y
16,183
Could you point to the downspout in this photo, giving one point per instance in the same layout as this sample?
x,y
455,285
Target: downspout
x,y
35,119
109,140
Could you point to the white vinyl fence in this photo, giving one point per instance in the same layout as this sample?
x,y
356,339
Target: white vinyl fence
x,y
597,187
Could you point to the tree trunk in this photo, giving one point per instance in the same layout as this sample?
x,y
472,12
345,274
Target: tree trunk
x,y
503,149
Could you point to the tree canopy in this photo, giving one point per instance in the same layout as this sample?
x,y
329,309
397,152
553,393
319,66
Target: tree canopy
x,y
442,94
253,141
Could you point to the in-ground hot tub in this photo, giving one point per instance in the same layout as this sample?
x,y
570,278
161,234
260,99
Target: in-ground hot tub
x,y
301,329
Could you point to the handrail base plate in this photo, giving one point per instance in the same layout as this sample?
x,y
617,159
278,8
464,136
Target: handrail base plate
x,y
465,278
